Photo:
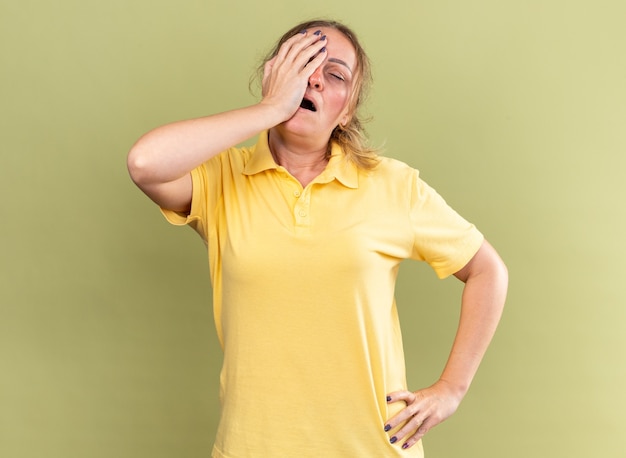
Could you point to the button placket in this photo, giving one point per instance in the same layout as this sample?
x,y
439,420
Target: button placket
x,y
302,208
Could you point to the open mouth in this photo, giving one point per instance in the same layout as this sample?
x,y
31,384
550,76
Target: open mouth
x,y
308,105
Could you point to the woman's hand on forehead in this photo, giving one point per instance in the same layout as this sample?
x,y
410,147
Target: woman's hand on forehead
x,y
286,75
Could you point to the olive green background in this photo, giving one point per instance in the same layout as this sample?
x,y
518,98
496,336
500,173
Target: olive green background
x,y
514,111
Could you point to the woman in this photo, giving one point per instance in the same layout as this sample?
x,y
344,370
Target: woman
x,y
305,234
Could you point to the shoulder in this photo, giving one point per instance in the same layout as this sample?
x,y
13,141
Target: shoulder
x,y
393,181
404,180
393,170
390,165
234,158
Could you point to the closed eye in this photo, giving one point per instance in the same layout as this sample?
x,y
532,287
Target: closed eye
x,y
339,77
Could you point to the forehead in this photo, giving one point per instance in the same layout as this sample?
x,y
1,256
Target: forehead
x,y
339,46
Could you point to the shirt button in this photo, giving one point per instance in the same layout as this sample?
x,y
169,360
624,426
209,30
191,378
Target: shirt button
x,y
296,193
302,213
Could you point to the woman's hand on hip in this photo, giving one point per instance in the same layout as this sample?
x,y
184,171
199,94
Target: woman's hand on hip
x,y
424,410
286,75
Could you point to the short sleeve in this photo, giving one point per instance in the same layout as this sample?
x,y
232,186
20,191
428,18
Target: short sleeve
x,y
442,237
197,217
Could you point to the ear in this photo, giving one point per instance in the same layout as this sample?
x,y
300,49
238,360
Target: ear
x,y
345,119
347,115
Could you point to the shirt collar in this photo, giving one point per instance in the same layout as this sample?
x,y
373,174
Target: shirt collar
x,y
339,167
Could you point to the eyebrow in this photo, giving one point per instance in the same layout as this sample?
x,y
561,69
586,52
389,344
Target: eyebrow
x,y
339,61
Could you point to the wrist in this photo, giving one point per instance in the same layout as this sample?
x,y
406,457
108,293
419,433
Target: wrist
x,y
274,112
456,388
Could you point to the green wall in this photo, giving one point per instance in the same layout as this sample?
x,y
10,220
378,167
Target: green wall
x,y
514,111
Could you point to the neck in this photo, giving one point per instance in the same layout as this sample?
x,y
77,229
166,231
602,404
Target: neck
x,y
302,159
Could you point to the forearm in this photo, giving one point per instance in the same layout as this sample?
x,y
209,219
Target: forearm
x,y
482,302
486,280
169,152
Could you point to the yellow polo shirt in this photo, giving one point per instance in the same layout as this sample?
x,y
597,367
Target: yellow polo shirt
x,y
303,282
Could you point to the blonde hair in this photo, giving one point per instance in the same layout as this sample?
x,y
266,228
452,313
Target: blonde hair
x,y
351,137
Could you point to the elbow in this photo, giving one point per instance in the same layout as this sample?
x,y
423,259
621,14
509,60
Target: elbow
x,y
499,280
501,272
138,165
487,272
497,270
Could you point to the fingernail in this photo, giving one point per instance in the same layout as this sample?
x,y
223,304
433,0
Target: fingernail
x,y
323,49
317,32
323,38
387,428
388,398
393,439
405,446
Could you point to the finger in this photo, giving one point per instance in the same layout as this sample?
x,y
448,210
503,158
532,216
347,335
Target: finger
x,y
414,428
419,434
289,43
401,419
403,395
404,417
411,409
313,63
301,48
315,49
292,59
296,71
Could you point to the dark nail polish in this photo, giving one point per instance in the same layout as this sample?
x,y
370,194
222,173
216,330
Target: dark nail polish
x,y
388,398
323,37
393,439
405,446
387,428
323,49
317,32
303,31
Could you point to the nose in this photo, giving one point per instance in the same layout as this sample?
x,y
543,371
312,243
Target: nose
x,y
316,80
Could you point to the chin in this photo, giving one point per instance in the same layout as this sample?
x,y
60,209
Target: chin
x,y
300,127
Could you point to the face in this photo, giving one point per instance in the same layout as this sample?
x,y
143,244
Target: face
x,y
327,97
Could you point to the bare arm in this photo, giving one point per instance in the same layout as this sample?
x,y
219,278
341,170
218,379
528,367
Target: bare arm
x,y
161,161
484,293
